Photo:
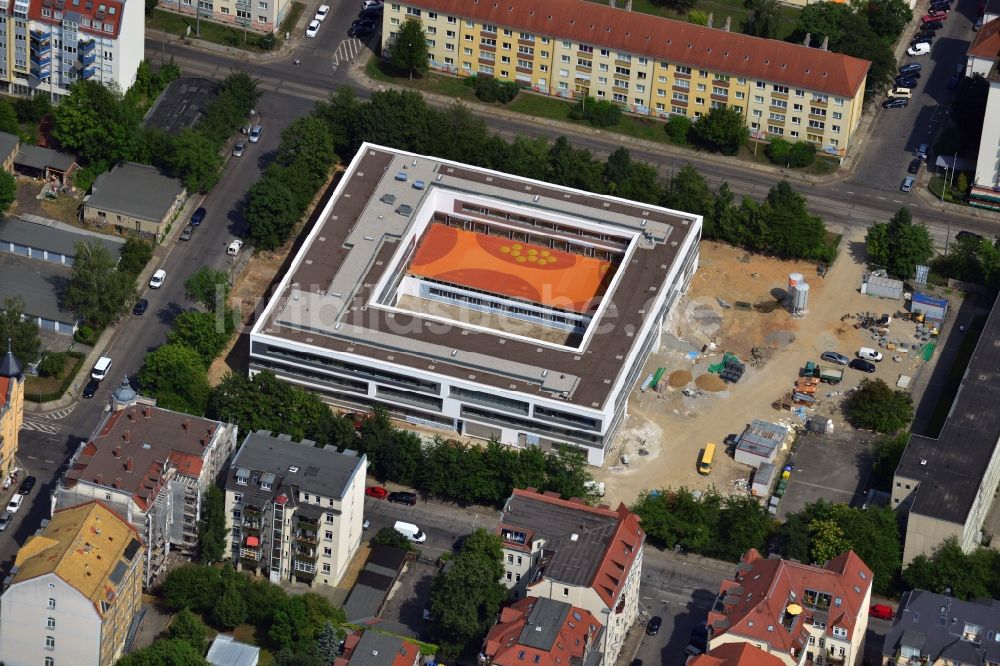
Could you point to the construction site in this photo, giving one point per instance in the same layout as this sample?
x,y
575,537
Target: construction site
x,y
744,352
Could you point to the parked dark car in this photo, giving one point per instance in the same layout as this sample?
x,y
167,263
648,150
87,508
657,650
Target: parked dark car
x,y
27,485
956,78
922,40
910,67
199,216
914,165
653,626
91,388
862,365
895,103
924,33
371,13
140,306
968,234
932,25
403,498
908,81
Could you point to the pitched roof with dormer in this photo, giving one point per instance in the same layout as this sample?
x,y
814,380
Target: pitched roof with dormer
x,y
585,545
537,630
986,43
87,546
773,600
736,654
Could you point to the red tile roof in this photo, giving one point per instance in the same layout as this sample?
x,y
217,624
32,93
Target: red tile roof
x,y
664,39
4,390
95,15
754,604
987,41
736,654
508,645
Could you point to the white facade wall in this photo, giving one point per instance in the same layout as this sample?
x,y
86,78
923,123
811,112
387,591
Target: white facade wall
x,y
131,44
988,162
24,621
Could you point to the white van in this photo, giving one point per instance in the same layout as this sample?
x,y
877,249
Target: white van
x,y
410,531
905,93
869,354
101,368
919,49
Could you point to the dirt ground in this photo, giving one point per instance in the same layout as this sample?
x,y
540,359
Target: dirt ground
x,y
666,429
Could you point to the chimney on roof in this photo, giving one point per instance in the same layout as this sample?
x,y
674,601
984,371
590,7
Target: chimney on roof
x,y
117,450
125,435
729,21
203,441
131,414
186,425
128,464
809,38
711,19
210,430
826,43
117,483
100,477
146,411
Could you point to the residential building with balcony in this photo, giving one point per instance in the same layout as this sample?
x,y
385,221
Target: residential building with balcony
x,y
74,591
295,509
152,466
647,65
937,630
799,613
11,410
536,630
262,16
945,486
72,40
567,551
735,654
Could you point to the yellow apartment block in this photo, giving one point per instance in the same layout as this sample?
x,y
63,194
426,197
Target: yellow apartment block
x,y
11,410
648,65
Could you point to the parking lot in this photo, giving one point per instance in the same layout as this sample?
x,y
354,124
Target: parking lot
x,y
898,132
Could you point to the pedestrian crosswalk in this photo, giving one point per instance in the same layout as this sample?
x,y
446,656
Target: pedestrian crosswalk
x,y
346,51
41,426
56,414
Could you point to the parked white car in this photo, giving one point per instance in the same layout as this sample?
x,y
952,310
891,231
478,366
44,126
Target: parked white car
x,y
869,354
922,48
15,503
234,248
321,13
156,281
313,28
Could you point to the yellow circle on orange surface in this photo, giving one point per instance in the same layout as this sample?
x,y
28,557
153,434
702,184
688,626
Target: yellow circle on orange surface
x,y
515,253
532,251
545,253
504,249
516,246
551,260
532,257
521,259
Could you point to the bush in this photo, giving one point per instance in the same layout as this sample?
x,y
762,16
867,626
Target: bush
x,y
598,113
678,129
493,90
802,154
53,364
134,256
874,405
85,335
777,151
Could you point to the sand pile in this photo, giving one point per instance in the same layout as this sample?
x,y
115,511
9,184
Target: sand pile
x,y
679,378
711,382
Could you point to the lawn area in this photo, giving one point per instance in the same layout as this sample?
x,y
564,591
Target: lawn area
x,y
430,82
953,195
555,109
292,17
43,389
211,32
720,9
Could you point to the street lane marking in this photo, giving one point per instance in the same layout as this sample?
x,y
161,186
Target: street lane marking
x,y
40,427
346,51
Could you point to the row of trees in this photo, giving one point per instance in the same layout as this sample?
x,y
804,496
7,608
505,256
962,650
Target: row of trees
x,y
780,225
971,259
726,527
176,373
303,629
103,287
103,126
973,575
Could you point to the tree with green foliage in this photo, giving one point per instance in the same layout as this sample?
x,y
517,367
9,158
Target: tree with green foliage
x,y
134,255
174,374
208,287
8,190
873,405
272,213
679,129
681,7
230,610
409,52
387,536
264,402
722,128
206,332
212,533
97,291
194,159
629,179
392,454
304,655
328,643
186,626
763,17
22,333
887,17
955,573
8,118
33,109
465,597
94,122
827,540
170,652
191,586
887,451
899,245
743,524
688,191
678,518
307,145
792,230
697,17
52,364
